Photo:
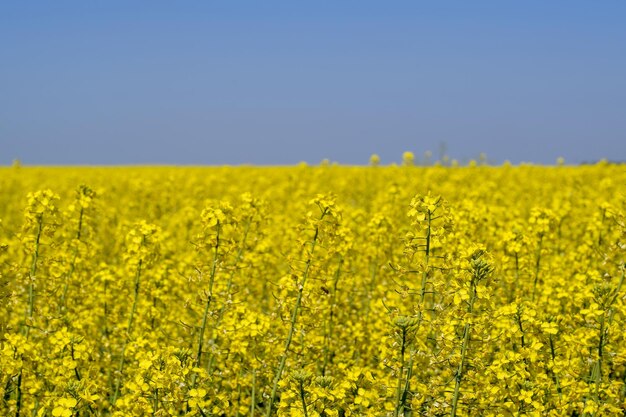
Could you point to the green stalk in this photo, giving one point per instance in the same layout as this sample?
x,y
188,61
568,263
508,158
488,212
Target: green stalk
x,y
614,298
518,320
537,267
294,317
426,260
605,321
373,268
129,328
515,284
402,397
555,377
155,401
480,270
619,287
63,306
304,409
329,333
399,394
601,343
208,302
239,389
105,311
600,237
77,372
30,310
32,274
73,263
459,372
18,405
407,383
426,268
252,397
464,348
229,286
207,306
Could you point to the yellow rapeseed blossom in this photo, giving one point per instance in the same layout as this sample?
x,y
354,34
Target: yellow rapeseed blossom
x,y
317,291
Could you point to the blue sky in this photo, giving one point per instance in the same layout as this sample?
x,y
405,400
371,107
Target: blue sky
x,y
278,82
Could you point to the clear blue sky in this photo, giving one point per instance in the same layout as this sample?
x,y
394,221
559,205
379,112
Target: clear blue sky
x,y
278,82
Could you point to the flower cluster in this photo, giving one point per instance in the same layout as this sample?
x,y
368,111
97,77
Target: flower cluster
x,y
313,291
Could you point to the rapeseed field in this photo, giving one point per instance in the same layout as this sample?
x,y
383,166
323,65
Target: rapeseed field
x,y
313,291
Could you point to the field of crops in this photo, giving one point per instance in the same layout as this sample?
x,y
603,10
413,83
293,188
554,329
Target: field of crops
x,y
313,291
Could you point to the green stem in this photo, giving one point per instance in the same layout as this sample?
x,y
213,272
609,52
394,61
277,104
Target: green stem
x,y
32,274
554,375
31,308
252,397
229,286
459,372
129,328
597,371
63,306
399,394
426,262
18,405
602,223
73,263
133,309
329,333
373,267
464,347
304,409
605,322
420,314
617,291
155,401
294,318
77,373
239,389
537,267
407,382
516,281
207,306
